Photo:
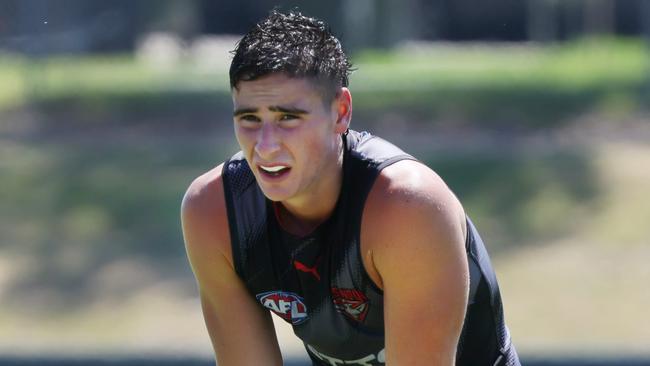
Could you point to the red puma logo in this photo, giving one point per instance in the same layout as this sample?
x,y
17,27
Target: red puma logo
x,y
313,270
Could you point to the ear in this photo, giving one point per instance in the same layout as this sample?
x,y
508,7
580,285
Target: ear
x,y
342,107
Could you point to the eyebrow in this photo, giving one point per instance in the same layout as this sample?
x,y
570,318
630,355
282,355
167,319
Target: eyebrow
x,y
241,111
291,110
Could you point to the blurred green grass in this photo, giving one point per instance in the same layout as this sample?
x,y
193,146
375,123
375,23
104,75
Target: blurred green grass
x,y
520,86
74,206
574,66
519,199
527,85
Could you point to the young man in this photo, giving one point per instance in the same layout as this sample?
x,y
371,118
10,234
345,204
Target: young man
x,y
364,250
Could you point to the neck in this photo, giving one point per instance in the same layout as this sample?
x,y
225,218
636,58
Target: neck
x,y
302,215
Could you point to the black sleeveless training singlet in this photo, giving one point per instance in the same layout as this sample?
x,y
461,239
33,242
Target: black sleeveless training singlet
x,y
318,283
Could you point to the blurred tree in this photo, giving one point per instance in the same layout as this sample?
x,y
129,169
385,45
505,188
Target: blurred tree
x,y
237,16
494,20
542,20
180,17
599,16
644,16
402,20
359,23
571,24
79,26
433,19
380,23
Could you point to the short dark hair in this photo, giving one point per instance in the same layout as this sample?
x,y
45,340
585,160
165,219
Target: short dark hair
x,y
293,44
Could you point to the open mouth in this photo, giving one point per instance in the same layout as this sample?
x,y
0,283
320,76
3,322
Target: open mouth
x,y
274,171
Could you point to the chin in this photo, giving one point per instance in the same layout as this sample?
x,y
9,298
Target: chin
x,y
275,195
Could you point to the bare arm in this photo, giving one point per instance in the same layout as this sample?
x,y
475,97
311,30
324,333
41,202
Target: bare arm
x,y
416,253
241,332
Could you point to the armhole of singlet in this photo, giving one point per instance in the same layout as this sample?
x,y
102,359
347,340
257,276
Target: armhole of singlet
x,y
235,244
378,169
504,341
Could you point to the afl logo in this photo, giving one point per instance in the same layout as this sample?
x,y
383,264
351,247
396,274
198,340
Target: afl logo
x,y
286,305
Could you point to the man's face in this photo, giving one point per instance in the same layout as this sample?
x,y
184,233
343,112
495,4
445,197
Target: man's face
x,y
289,137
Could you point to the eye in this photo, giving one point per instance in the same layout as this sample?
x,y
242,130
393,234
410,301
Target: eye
x,y
248,121
288,120
288,117
249,118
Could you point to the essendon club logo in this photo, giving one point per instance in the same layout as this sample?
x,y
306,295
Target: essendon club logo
x,y
351,303
286,305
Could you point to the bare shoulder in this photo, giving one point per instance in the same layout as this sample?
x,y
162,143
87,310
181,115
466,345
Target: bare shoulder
x,y
410,208
204,217
409,190
204,196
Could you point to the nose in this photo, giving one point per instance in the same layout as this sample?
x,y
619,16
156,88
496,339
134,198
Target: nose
x,y
268,142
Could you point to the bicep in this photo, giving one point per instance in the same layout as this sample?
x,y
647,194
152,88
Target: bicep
x,y
425,298
418,253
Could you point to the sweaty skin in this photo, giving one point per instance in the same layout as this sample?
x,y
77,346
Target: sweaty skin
x,y
282,121
411,220
414,228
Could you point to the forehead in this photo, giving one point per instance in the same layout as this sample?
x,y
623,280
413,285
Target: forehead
x,y
275,88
